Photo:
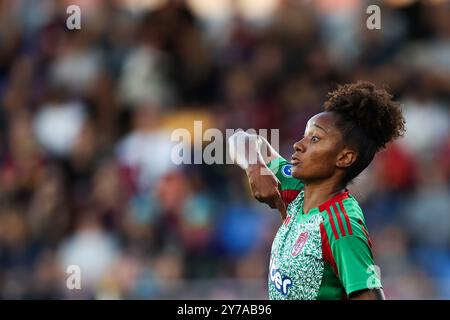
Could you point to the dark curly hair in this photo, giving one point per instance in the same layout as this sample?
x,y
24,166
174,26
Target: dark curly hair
x,y
368,120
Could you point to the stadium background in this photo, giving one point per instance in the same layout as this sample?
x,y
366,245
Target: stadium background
x,y
86,116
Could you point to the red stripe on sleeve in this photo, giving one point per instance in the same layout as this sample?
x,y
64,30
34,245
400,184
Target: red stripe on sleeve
x,y
341,226
347,220
365,232
326,249
330,217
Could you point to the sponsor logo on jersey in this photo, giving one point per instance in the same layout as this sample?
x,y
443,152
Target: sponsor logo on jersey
x,y
286,170
277,279
299,244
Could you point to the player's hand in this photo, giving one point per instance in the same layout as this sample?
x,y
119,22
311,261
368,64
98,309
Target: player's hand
x,y
265,187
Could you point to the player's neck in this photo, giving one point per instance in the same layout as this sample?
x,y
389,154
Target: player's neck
x,y
316,194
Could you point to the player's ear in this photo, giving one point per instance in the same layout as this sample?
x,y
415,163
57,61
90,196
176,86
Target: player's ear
x,y
346,158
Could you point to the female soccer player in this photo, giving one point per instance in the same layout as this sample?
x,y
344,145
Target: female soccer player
x,y
322,249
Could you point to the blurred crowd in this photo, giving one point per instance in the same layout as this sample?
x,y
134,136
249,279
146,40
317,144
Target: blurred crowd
x,y
86,116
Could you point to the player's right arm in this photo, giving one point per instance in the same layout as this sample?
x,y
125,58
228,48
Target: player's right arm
x,y
245,150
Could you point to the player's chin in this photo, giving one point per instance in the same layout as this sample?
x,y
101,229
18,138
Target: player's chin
x,y
296,172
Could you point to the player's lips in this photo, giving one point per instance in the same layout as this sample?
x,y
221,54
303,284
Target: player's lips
x,y
295,161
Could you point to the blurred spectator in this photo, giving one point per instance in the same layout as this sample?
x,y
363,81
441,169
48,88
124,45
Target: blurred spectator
x,y
90,248
426,119
58,125
146,150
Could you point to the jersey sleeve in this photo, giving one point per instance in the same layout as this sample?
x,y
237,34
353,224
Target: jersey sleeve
x,y
290,186
352,252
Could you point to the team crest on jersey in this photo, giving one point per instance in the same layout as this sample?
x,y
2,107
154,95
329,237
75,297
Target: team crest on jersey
x,y
299,244
286,170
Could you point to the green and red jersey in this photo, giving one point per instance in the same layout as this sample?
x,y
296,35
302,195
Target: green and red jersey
x,y
323,254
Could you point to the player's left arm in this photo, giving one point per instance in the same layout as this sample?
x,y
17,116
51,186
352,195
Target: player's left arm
x,y
355,265
368,294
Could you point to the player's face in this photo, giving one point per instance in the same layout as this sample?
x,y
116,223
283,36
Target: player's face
x,y
316,153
